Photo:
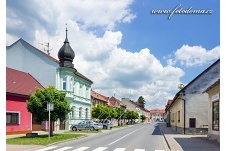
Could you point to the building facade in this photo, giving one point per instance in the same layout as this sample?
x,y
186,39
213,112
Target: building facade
x,y
76,86
188,112
18,87
157,115
213,111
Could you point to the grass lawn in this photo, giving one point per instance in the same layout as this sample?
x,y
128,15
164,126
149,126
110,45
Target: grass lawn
x,y
42,139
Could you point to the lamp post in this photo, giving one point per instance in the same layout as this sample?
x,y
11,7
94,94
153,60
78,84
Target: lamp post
x,y
181,86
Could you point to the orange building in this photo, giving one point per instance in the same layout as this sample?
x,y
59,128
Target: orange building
x,y
157,114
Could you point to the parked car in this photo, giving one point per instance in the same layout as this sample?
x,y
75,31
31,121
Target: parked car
x,y
107,124
87,125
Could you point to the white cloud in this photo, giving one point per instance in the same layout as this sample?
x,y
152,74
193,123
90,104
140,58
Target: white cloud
x,y
112,69
195,55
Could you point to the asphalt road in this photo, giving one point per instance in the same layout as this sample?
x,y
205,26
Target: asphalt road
x,y
141,137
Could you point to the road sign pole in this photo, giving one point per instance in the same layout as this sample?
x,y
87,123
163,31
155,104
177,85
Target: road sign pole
x,y
49,120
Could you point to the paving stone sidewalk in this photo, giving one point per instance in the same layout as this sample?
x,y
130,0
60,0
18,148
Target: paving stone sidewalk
x,y
180,142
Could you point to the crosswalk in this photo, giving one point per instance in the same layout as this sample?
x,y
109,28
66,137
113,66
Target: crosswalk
x,y
69,148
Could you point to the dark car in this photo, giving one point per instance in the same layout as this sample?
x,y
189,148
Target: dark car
x,y
87,125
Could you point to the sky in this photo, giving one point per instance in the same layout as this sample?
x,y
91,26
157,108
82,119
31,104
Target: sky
x,y
128,48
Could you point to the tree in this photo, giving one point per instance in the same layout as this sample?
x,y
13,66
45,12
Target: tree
x,y
37,104
103,112
141,101
142,117
98,112
120,112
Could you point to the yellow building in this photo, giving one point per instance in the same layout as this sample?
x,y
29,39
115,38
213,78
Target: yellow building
x,y
214,115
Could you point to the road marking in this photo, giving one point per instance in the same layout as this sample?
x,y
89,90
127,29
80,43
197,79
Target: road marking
x,y
139,150
100,149
81,148
119,149
63,148
44,149
125,136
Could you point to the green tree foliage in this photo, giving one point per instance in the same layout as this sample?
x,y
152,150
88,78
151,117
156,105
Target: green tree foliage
x,y
142,117
120,112
131,115
37,104
103,112
98,112
141,100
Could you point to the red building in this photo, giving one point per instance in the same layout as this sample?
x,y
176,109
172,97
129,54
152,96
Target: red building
x,y
18,87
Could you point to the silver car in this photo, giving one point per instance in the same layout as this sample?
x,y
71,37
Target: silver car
x,y
87,125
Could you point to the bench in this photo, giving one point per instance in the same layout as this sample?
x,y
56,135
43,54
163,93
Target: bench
x,y
31,134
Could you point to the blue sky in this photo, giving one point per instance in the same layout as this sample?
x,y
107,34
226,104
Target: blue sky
x,y
120,45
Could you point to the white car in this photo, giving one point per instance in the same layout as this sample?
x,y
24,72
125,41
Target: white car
x,y
87,125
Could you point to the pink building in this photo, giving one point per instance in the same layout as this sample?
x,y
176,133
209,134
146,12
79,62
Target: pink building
x,y
18,87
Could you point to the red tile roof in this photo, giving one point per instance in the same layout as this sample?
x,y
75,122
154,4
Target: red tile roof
x,y
99,96
115,102
153,111
18,82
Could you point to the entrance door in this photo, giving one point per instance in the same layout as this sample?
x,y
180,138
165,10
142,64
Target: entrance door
x,y
62,124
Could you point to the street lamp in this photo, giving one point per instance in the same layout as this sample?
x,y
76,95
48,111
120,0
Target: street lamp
x,y
181,86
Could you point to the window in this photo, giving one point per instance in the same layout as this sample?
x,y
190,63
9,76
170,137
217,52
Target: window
x,y
12,118
80,112
71,84
178,116
215,115
192,122
87,92
86,114
64,83
73,111
81,91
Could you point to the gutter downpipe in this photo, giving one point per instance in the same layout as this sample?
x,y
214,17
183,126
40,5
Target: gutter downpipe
x,y
183,98
184,115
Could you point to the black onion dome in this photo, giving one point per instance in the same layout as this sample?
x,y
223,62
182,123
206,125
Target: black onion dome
x,y
66,54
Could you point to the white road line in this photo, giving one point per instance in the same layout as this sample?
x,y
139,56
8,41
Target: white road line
x,y
63,148
124,136
100,149
47,148
81,148
119,149
139,150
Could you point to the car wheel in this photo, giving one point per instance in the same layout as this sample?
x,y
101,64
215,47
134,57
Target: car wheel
x,y
92,128
104,127
74,129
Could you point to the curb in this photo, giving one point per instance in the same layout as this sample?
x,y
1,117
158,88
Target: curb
x,y
164,137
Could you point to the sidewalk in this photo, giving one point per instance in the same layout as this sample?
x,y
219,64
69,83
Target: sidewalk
x,y
180,142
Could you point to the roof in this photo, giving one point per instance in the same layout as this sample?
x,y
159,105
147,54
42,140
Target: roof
x,y
113,102
213,85
153,111
200,75
50,57
99,96
18,82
